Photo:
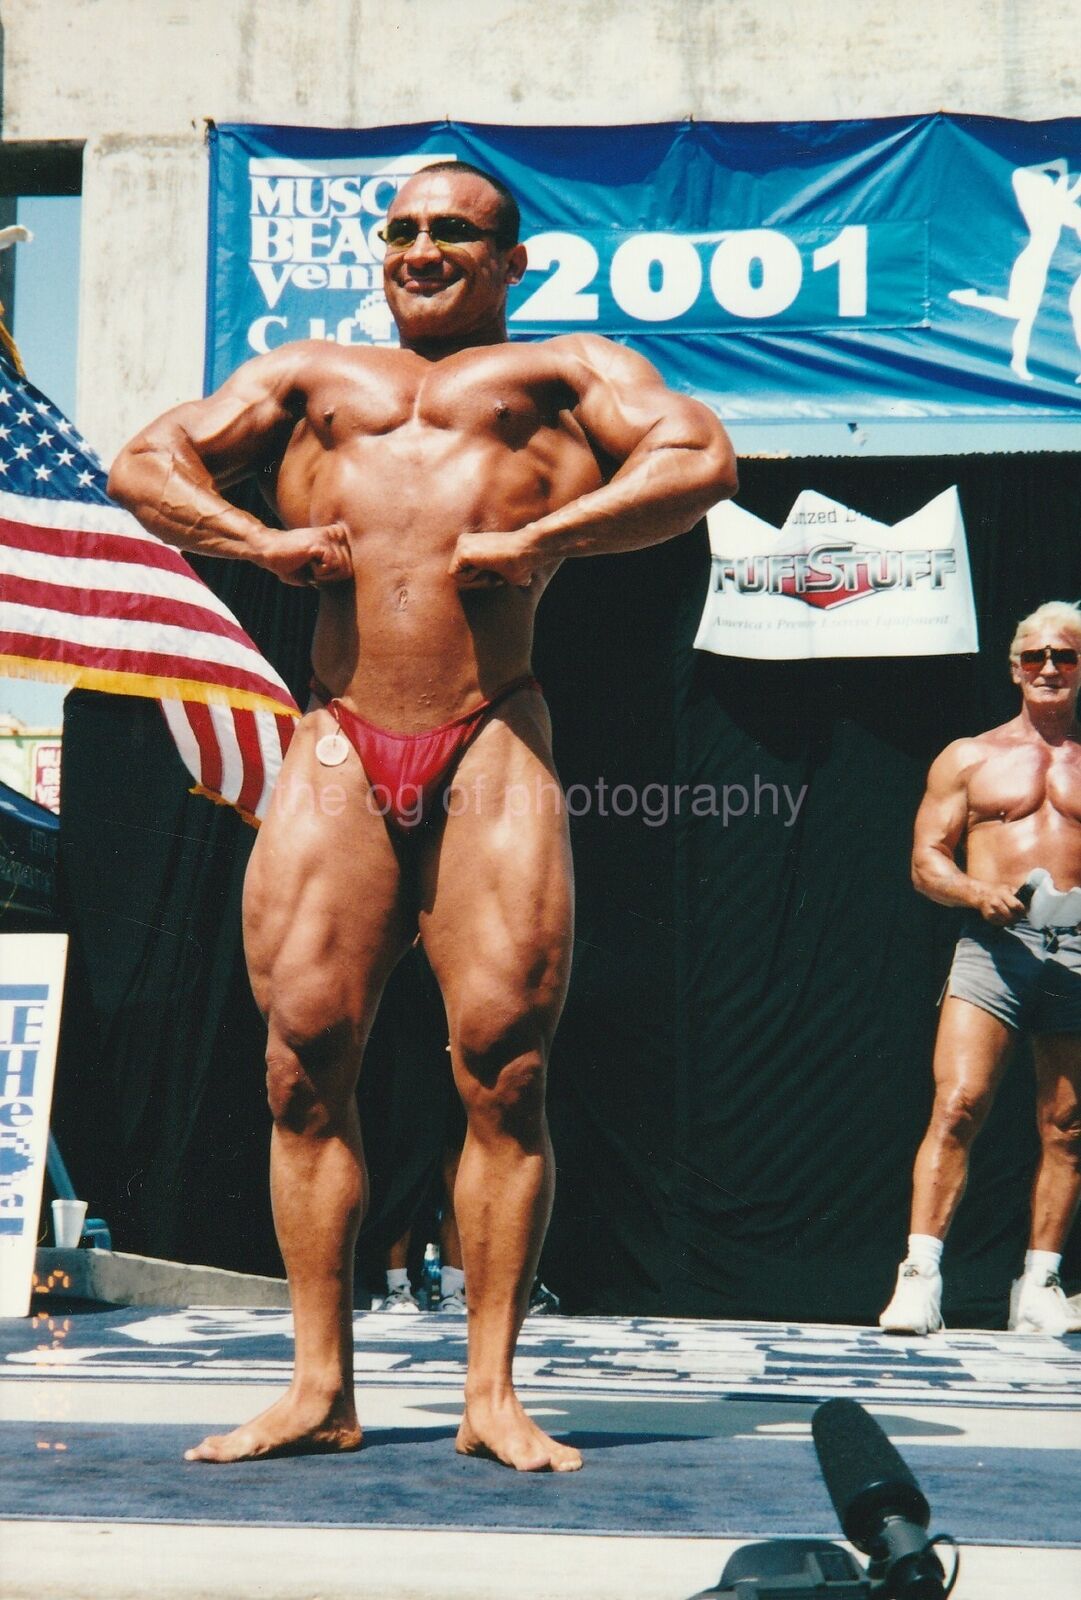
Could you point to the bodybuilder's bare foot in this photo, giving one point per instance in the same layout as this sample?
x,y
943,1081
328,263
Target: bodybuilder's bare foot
x,y
501,1430
291,1427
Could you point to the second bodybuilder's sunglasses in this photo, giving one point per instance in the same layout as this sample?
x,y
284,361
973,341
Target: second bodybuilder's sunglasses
x,y
401,232
1036,658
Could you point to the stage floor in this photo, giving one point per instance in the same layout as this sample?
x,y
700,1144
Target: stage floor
x,y
696,1437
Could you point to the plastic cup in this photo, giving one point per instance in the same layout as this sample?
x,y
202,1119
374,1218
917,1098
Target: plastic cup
x,y
68,1219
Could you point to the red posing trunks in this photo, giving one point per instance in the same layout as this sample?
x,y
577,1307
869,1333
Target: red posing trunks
x,y
410,771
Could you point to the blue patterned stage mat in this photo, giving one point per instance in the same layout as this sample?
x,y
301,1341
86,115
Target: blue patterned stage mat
x,y
652,1403
412,1478
605,1356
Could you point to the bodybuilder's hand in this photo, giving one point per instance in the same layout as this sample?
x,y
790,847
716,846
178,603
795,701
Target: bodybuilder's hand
x,y
997,903
486,560
310,557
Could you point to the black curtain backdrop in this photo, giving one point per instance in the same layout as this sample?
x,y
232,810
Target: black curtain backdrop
x,y
742,1074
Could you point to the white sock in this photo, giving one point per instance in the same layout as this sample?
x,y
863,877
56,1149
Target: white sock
x,y
925,1250
451,1280
397,1278
1042,1261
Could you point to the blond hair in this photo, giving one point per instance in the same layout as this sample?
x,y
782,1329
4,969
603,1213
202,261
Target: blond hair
x,y
1053,614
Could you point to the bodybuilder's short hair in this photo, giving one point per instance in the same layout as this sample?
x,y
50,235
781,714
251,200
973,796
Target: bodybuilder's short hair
x,y
508,217
1061,615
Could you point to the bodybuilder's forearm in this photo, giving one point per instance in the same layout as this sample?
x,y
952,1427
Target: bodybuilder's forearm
x,y
168,489
942,880
649,500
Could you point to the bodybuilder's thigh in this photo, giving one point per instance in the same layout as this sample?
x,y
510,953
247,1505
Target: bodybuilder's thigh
x,y
323,905
497,916
972,1049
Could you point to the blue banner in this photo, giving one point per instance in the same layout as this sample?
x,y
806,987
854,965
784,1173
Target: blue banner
x,y
922,267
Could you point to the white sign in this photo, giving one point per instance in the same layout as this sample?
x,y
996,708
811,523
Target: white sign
x,y
315,226
832,582
31,991
45,778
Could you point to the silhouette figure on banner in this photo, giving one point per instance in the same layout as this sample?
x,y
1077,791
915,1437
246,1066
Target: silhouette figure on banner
x,y
1048,202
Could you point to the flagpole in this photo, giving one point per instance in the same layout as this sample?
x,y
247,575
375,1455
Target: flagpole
x,y
16,234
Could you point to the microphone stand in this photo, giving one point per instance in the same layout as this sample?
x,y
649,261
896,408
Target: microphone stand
x,y
882,1510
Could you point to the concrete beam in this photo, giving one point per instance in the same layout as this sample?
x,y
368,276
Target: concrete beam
x,y
127,1280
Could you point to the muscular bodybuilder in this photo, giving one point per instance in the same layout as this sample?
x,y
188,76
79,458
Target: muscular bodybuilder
x,y
1012,799
430,493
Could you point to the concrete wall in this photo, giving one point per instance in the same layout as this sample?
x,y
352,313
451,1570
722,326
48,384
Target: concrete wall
x,y
136,78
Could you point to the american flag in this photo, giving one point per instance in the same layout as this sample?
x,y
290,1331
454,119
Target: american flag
x,y
89,598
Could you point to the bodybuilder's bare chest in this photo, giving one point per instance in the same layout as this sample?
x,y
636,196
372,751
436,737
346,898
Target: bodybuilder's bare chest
x,y
493,400
1017,784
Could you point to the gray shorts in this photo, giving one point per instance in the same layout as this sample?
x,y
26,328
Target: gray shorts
x,y
1029,978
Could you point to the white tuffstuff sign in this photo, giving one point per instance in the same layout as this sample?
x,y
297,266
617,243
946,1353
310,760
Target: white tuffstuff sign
x,y
832,582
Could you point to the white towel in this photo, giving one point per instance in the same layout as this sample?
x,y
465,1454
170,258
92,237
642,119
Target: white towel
x,y
1050,907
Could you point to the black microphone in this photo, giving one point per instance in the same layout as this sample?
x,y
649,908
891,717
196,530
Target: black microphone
x,y
1026,891
881,1507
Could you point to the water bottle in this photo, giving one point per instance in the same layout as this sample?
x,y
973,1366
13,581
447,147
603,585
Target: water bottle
x,y
430,1277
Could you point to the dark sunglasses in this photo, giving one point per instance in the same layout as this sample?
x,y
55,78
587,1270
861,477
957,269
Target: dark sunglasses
x,y
1058,658
401,232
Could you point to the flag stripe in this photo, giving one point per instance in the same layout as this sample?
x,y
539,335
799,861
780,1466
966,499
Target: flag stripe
x,y
108,546
238,763
135,639
88,516
218,681
118,605
210,757
225,732
176,715
128,577
274,734
146,686
251,788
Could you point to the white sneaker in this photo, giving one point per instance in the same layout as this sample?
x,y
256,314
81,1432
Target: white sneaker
x,y
454,1303
400,1299
1038,1305
916,1306
543,1302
